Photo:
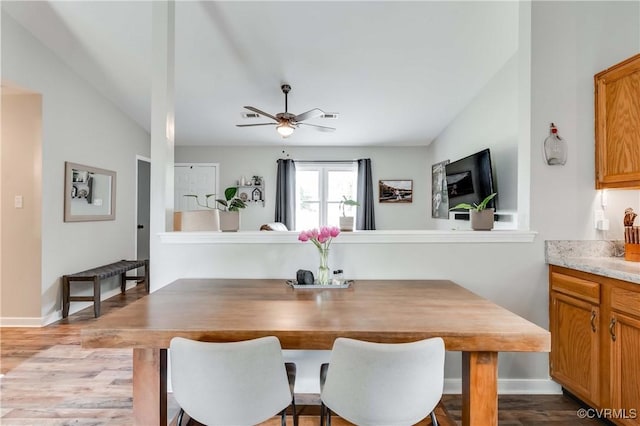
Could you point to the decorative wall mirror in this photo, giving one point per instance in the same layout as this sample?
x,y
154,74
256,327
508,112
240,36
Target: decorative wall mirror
x,y
89,193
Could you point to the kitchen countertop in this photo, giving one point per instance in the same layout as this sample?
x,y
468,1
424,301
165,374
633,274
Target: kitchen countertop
x,y
596,257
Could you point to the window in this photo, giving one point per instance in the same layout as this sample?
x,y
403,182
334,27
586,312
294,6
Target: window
x,y
319,190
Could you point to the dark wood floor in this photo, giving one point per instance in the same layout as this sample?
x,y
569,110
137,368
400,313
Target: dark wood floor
x,y
39,364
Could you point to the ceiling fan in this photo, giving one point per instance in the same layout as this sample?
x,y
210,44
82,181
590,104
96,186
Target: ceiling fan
x,y
286,122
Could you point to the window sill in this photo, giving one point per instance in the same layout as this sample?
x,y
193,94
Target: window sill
x,y
358,237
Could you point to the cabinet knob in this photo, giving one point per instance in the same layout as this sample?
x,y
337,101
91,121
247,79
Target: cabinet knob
x,y
612,330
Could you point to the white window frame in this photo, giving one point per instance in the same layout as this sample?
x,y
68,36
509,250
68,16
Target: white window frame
x,y
324,168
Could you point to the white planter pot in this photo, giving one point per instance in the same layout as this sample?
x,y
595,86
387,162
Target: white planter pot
x,y
229,221
196,220
346,223
482,220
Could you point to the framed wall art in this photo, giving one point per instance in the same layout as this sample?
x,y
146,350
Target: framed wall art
x,y
90,193
439,195
395,191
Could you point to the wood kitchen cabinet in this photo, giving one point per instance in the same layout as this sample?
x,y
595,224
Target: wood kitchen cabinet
x,y
595,341
575,335
624,349
617,125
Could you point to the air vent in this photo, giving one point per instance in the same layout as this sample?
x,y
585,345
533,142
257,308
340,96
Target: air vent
x,y
332,115
250,115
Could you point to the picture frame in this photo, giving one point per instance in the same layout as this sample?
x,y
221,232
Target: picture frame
x,y
439,193
89,193
395,191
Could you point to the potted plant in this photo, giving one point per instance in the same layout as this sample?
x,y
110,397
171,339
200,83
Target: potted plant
x,y
230,210
206,199
346,222
481,216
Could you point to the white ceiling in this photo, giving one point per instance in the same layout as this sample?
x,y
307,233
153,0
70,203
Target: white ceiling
x,y
397,72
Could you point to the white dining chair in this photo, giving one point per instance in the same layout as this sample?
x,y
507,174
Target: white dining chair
x,y
382,384
236,383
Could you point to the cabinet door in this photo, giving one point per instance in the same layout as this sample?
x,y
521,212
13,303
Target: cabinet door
x,y
617,116
574,345
625,368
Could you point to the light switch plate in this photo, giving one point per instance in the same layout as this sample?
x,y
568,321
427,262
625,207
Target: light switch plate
x,y
18,202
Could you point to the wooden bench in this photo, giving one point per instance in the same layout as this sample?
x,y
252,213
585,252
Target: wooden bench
x,y
95,275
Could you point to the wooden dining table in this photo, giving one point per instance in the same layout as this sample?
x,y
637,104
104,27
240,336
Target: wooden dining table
x,y
389,311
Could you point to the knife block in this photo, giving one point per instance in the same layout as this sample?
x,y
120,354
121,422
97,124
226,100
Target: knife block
x,y
632,252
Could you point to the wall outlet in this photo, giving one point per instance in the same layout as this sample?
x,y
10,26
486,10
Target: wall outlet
x,y
18,202
603,225
598,217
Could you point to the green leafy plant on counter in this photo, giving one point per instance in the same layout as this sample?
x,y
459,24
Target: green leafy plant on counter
x,y
231,202
474,206
347,202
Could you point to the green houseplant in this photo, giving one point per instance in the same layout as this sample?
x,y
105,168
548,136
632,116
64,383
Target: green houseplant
x,y
481,216
346,222
230,209
230,202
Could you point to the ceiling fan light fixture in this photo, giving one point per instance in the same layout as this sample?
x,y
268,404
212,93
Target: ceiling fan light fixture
x,y
285,129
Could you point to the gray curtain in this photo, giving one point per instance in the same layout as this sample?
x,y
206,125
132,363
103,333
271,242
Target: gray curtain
x,y
286,193
365,219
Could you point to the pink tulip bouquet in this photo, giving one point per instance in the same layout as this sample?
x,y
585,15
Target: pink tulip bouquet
x,y
322,240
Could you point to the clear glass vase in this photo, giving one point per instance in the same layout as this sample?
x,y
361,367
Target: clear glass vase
x,y
323,270
555,148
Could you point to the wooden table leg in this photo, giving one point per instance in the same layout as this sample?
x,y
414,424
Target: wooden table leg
x,y
150,387
96,296
479,388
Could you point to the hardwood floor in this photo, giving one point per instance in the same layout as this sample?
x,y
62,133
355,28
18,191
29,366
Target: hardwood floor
x,y
49,380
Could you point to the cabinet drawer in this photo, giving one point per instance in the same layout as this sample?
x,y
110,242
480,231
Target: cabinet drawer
x,y
627,301
576,287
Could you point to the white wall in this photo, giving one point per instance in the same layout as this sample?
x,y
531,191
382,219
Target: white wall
x,y
489,121
78,125
386,163
572,41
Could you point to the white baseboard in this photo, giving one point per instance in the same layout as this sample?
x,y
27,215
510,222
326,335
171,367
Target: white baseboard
x,y
56,315
512,387
20,322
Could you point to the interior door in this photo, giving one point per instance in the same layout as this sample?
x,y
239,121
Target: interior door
x,y
143,211
197,179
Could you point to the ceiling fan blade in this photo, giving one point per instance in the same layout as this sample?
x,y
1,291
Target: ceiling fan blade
x,y
313,113
256,110
319,128
257,124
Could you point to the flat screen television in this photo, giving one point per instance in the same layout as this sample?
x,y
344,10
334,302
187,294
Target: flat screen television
x,y
470,179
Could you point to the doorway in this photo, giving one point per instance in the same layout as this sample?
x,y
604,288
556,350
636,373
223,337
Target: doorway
x,y
199,179
143,173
